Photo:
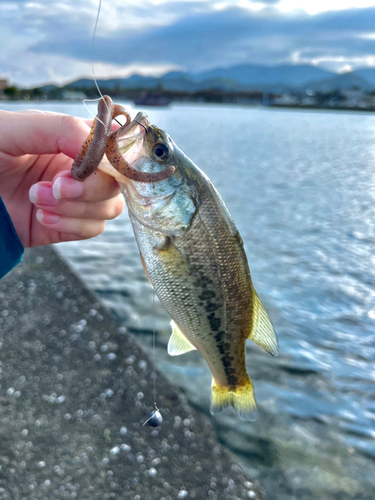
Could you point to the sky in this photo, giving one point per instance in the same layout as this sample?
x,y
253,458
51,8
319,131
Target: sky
x,y
51,41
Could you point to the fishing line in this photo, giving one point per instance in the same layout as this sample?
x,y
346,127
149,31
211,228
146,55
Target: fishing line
x,y
154,344
93,70
92,50
156,418
89,110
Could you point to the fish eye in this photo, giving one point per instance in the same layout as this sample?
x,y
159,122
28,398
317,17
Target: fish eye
x,y
161,151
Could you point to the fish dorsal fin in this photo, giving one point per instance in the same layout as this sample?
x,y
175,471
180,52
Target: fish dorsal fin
x,y
262,332
178,343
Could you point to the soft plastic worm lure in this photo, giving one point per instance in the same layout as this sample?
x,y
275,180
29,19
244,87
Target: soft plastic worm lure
x,y
101,141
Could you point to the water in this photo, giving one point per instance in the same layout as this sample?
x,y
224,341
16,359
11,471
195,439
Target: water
x,y
301,187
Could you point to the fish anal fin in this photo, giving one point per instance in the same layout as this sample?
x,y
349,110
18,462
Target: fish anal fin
x,y
178,343
262,331
242,399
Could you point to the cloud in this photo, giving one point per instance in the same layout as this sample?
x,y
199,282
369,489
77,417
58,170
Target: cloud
x,y
189,34
208,38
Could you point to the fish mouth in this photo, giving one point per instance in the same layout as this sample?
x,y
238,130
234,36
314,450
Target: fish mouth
x,y
139,125
142,120
137,128
131,139
131,144
134,142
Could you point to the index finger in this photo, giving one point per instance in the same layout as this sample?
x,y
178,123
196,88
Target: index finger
x,y
41,133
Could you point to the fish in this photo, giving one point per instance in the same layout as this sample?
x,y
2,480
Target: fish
x,y
194,258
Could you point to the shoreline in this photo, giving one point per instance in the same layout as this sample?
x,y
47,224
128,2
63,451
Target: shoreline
x,y
75,390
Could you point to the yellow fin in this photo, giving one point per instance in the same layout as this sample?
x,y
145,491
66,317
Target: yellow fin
x,y
242,400
178,343
262,332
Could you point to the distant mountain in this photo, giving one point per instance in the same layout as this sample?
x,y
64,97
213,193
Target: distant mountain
x,y
174,74
248,77
125,83
178,83
250,74
185,84
340,82
49,87
87,83
367,73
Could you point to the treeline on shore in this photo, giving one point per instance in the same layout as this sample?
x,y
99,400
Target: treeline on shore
x,y
14,93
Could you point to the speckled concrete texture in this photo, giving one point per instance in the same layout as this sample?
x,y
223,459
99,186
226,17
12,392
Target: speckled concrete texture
x,y
75,390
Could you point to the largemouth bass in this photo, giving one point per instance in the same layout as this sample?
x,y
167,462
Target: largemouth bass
x,y
194,258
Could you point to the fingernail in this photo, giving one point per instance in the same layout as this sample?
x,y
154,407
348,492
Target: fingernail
x,y
41,194
65,188
47,218
33,193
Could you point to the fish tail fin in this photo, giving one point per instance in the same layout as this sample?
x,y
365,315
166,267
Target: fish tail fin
x,y
241,398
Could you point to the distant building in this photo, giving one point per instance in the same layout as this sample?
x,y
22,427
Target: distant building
x,y
4,84
354,98
285,100
309,98
73,95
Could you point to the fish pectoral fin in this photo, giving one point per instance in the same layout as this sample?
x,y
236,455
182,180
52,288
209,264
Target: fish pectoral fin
x,y
178,343
145,269
262,331
242,399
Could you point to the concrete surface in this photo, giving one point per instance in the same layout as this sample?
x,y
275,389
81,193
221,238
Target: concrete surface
x,y
75,390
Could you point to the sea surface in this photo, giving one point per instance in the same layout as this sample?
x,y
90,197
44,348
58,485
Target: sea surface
x,y
301,188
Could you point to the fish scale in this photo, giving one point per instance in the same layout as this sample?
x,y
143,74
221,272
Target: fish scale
x,y
210,248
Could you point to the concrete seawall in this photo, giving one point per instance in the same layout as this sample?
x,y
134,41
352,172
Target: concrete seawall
x,y
75,390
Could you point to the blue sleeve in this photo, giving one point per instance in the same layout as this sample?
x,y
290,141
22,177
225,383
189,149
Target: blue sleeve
x,y
11,249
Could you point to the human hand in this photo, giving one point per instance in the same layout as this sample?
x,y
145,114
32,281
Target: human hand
x,y
45,203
